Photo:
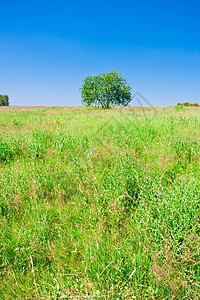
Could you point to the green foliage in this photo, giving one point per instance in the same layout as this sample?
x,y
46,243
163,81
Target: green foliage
x,y
105,90
4,100
99,204
188,104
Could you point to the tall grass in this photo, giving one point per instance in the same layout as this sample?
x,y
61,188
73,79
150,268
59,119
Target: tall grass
x,y
99,204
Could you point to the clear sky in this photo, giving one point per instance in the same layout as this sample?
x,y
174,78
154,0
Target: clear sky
x,y
48,47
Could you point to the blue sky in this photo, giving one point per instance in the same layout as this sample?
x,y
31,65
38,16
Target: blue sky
x,y
48,47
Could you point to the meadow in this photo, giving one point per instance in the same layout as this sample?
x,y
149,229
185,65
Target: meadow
x,y
99,204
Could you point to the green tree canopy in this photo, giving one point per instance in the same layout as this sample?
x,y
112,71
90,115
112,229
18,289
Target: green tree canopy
x,y
105,90
4,100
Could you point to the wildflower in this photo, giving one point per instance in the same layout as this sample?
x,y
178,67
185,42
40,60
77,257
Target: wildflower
x,y
159,193
65,171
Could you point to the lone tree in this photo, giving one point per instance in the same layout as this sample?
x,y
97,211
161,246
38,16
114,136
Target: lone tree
x,y
105,90
4,100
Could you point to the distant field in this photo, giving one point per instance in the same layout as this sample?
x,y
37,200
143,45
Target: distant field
x,y
99,204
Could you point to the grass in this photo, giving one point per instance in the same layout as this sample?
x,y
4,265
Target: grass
x,y
99,204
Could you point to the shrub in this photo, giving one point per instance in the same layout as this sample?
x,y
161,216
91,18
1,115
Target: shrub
x,y
4,100
106,89
188,104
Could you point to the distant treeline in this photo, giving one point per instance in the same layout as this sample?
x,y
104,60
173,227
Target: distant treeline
x,y
187,104
4,100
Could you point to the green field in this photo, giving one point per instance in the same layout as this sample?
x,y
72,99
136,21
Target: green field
x,y
99,204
